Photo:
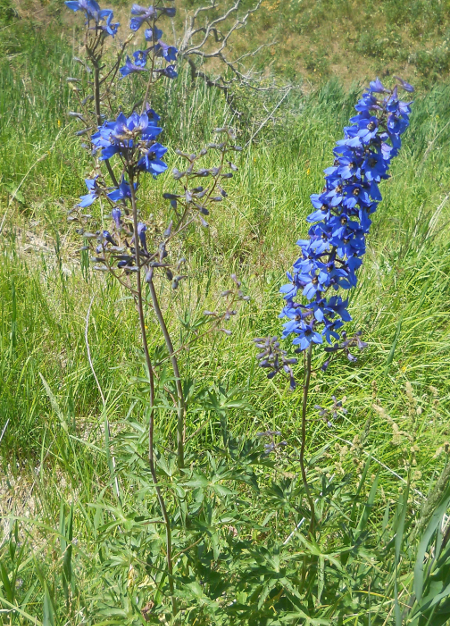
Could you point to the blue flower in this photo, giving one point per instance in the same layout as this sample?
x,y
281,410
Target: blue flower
x,y
140,57
153,34
164,50
151,161
109,28
94,192
124,134
93,11
107,237
123,191
141,15
340,219
169,71
305,336
131,68
90,7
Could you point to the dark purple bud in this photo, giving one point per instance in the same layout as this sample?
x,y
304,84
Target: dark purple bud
x,y
77,115
162,251
168,230
325,366
107,237
177,174
238,283
79,133
406,86
169,11
141,234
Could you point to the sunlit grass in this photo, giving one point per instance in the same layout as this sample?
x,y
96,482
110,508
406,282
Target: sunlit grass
x,y
53,449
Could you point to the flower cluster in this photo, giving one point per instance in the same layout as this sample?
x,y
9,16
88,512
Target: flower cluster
x,y
272,445
148,16
341,217
133,139
102,18
333,412
274,359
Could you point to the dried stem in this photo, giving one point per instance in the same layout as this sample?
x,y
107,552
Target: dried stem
x,y
195,43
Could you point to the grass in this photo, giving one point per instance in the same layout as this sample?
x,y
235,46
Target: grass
x,y
313,40
53,453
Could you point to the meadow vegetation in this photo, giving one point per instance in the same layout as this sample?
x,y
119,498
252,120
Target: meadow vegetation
x,y
65,537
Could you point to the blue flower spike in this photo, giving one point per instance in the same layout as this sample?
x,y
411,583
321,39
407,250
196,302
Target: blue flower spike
x,y
340,220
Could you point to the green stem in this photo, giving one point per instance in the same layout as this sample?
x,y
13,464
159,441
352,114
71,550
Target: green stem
x,y
181,411
303,446
98,114
151,453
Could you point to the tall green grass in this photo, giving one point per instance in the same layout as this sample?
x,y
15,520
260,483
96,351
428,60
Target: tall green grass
x,y
53,452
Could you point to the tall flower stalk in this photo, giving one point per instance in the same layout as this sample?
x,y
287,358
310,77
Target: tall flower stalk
x,y
331,255
128,147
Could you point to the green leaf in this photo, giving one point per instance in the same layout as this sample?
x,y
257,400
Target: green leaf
x,y
398,544
54,403
6,583
222,491
369,505
49,614
423,545
198,481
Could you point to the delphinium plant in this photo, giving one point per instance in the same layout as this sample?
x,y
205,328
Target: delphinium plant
x,y
124,148
232,548
330,257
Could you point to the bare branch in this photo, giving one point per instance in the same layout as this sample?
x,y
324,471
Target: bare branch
x,y
235,70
